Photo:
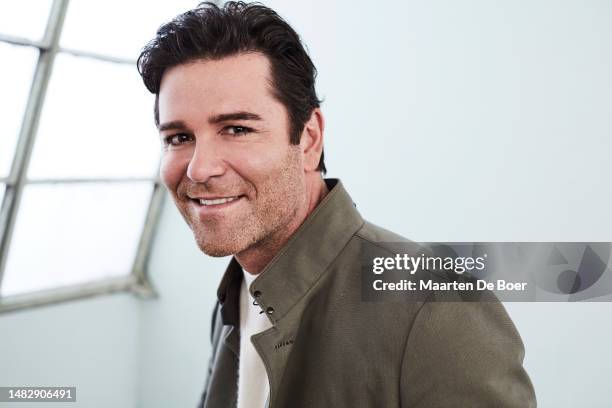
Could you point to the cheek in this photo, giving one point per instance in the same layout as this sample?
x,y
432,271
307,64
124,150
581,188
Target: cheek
x,y
260,161
172,169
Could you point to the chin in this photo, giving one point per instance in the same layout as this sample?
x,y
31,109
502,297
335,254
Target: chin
x,y
227,240
219,247
216,250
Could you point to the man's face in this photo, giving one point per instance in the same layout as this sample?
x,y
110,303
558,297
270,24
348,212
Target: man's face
x,y
227,160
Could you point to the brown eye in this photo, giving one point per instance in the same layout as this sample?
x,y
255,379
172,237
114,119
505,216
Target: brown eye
x,y
176,140
237,130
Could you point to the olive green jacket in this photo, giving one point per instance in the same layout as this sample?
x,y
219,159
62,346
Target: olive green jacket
x,y
329,348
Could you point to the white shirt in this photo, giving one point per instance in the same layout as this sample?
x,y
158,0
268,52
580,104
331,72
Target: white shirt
x,y
253,385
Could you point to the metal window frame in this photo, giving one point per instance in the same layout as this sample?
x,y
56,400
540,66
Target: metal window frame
x,y
137,281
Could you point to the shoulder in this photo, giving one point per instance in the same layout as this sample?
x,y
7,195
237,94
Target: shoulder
x,y
375,234
372,237
460,342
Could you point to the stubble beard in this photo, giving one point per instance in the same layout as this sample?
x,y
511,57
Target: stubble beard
x,y
263,224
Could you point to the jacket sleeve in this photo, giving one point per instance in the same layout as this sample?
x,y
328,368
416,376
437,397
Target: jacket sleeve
x,y
464,354
214,340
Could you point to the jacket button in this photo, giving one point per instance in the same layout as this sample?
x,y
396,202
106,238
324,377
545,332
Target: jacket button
x,y
257,294
270,310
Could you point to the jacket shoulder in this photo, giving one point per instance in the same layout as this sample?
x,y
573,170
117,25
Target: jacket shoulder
x,y
375,236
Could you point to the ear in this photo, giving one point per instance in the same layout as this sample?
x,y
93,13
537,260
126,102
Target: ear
x,y
311,141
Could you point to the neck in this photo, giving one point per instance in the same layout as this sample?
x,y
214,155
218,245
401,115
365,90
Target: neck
x,y
256,257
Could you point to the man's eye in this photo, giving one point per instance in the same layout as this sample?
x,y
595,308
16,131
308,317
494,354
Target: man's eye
x,y
176,140
237,130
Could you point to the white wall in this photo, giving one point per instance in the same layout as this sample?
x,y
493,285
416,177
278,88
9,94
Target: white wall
x,y
91,344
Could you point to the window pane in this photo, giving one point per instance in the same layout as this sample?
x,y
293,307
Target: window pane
x,y
97,122
16,71
73,233
26,19
134,24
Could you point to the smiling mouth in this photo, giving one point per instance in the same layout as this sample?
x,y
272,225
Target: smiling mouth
x,y
215,201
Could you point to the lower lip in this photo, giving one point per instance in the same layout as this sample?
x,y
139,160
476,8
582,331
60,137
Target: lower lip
x,y
215,208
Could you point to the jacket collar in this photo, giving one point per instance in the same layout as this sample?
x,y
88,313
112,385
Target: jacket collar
x,y
300,263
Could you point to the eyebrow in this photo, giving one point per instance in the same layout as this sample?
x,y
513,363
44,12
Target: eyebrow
x,y
223,117
241,115
174,125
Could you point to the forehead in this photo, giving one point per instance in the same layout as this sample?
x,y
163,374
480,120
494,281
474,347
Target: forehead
x,y
240,82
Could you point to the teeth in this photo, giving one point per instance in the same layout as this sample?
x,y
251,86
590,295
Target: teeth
x,y
218,201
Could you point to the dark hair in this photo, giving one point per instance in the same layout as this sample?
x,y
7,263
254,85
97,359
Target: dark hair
x,y
211,32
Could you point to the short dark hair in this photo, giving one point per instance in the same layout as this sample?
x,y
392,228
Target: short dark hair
x,y
213,32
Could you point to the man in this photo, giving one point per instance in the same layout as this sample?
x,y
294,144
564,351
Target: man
x,y
242,131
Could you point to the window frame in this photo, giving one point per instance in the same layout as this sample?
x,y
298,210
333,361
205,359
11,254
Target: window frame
x,y
137,281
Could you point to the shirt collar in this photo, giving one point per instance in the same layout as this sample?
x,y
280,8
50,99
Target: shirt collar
x,y
300,263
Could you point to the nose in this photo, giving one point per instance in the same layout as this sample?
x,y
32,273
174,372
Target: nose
x,y
206,162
